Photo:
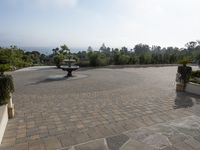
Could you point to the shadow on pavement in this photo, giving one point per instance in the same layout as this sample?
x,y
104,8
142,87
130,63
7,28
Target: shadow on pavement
x,y
185,100
50,79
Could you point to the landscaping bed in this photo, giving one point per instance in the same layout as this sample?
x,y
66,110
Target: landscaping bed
x,y
194,85
195,77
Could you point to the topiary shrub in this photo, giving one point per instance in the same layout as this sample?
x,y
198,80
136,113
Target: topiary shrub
x,y
6,87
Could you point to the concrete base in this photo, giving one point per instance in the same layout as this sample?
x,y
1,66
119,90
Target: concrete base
x,y
11,112
193,88
3,120
180,87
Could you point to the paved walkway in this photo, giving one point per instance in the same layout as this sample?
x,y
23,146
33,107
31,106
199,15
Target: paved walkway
x,y
103,104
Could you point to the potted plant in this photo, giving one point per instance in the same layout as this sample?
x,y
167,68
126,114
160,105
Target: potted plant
x,y
6,88
183,75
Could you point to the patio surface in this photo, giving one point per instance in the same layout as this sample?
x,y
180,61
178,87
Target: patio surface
x,y
111,109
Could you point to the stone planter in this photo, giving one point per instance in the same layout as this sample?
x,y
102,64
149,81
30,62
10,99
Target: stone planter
x,y
3,120
193,88
180,87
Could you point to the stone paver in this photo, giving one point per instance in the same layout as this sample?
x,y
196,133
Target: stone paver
x,y
52,143
115,142
165,136
94,145
36,144
23,146
135,145
104,103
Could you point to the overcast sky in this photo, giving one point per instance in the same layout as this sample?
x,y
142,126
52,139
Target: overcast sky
x,y
80,23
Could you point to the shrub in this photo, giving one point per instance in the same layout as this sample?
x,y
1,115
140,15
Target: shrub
x,y
58,60
6,87
83,63
121,59
97,59
3,68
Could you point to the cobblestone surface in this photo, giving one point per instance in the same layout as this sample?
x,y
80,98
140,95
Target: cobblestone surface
x,y
52,114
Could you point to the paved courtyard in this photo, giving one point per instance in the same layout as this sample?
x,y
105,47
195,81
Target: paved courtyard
x,y
111,109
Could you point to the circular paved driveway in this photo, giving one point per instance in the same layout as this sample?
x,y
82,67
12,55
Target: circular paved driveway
x,y
122,90
103,103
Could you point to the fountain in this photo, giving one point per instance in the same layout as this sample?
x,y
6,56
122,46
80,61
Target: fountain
x,y
69,65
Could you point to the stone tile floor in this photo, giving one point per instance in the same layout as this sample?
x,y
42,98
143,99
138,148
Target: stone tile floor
x,y
102,105
179,134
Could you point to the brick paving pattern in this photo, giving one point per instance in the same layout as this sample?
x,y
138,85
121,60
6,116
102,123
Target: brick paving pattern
x,y
59,113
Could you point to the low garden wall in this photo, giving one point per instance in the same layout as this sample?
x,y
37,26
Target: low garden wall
x,y
193,88
3,120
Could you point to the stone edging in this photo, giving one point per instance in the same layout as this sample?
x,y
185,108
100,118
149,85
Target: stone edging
x,y
193,88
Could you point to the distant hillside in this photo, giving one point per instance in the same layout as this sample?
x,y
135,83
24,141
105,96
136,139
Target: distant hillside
x,y
48,50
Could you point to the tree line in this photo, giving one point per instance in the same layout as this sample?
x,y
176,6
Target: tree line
x,y
140,54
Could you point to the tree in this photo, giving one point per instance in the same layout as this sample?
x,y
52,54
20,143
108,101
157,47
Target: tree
x,y
124,50
64,50
55,51
58,60
102,48
145,58
191,45
156,49
97,59
141,49
133,59
35,56
61,54
120,59
90,49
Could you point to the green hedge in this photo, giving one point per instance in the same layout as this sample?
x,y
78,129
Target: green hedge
x,y
83,63
6,87
3,68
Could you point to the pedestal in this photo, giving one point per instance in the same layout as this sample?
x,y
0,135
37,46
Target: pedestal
x,y
69,73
